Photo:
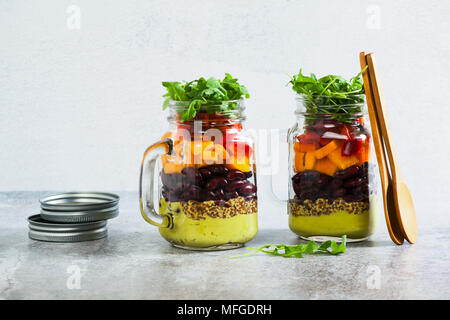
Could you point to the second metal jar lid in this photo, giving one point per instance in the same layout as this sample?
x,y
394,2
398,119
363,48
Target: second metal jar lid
x,y
42,230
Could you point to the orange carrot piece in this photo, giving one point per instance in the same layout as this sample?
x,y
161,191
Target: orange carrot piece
x,y
363,156
299,161
306,147
326,166
310,160
173,164
327,149
342,162
214,153
239,163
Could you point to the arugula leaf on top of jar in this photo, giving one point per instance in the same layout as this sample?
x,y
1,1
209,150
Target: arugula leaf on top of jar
x,y
331,187
207,183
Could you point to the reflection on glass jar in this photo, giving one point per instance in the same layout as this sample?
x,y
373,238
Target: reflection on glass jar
x,y
331,187
207,180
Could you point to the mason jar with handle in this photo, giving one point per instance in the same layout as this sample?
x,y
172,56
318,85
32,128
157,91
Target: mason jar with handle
x,y
198,183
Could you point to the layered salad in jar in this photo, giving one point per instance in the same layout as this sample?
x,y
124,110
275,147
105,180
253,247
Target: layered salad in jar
x,y
208,181
331,181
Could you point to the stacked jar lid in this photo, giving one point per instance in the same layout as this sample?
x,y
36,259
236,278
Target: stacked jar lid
x,y
74,216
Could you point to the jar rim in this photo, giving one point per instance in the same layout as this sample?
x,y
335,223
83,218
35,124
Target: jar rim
x,y
330,115
302,95
186,103
216,110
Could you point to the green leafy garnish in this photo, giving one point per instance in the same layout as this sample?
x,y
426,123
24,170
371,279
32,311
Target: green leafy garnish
x,y
297,251
331,94
210,95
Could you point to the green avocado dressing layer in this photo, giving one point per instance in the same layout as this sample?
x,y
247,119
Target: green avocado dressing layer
x,y
207,232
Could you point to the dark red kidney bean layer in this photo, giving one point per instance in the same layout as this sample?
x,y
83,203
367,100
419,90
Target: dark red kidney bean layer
x,y
351,184
215,182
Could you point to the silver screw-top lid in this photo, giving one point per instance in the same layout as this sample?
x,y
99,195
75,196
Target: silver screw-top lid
x,y
65,232
79,201
74,207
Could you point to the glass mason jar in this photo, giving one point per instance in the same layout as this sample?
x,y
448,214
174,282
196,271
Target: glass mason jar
x,y
205,174
331,185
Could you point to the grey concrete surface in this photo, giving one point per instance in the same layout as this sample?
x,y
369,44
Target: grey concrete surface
x,y
134,262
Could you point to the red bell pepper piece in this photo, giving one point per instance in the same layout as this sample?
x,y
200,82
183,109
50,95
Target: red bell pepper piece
x,y
351,147
346,132
309,137
235,147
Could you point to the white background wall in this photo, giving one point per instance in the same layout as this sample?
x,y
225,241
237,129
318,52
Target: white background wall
x,y
79,106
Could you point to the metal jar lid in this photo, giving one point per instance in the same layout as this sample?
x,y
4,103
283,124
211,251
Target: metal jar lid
x,y
80,216
42,230
79,201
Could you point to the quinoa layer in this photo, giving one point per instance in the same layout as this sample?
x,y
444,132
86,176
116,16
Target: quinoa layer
x,y
200,210
323,207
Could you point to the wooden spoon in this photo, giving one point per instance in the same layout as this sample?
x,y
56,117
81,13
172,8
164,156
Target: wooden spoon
x,y
389,208
406,214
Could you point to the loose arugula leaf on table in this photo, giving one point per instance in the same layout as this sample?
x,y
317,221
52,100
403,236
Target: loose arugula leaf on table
x,y
330,94
203,92
297,251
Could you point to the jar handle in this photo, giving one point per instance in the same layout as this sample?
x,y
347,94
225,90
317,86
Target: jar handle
x,y
146,198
